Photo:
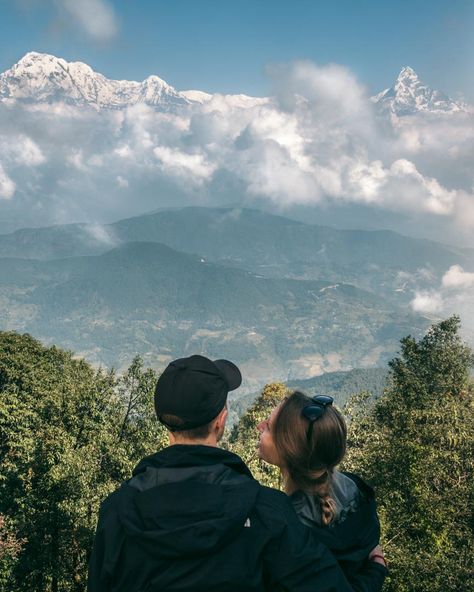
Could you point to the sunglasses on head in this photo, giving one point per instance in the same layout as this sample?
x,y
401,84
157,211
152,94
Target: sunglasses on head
x,y
315,411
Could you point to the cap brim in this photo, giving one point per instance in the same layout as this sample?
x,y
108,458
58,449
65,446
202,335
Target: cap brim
x,y
231,373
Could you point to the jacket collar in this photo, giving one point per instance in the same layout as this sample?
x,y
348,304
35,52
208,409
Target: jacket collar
x,y
192,455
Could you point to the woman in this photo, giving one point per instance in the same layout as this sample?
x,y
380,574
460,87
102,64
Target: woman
x,y
306,438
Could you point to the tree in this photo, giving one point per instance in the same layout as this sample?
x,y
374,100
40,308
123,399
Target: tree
x,y
69,435
416,446
244,437
140,433
10,547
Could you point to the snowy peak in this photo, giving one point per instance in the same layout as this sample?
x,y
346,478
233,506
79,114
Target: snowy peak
x,y
408,76
43,78
410,95
40,77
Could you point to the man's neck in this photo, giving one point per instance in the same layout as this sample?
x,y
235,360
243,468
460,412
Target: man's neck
x,y
209,441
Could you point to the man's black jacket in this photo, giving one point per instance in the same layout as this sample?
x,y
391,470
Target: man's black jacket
x,y
193,518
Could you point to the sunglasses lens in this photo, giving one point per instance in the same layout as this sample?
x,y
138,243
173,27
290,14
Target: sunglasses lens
x,y
313,412
323,400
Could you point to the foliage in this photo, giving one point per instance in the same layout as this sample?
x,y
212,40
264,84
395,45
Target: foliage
x,y
68,436
244,437
416,445
10,547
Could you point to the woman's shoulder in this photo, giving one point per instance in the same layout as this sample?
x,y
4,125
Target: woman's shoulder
x,y
348,491
365,490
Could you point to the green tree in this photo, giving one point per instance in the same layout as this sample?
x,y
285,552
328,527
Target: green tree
x,y
244,437
68,436
416,446
10,547
139,432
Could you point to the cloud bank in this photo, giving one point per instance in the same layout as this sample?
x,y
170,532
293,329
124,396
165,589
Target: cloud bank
x,y
317,141
455,295
96,17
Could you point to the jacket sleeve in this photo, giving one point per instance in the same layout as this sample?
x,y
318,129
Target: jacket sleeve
x,y
370,577
296,562
106,549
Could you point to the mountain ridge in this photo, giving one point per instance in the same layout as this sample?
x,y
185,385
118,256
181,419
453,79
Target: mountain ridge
x,y
146,297
39,77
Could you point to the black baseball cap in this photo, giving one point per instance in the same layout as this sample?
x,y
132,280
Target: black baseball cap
x,y
195,390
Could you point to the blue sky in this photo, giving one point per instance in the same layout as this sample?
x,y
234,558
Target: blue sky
x,y
225,46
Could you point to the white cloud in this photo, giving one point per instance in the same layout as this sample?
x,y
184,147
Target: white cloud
x,y
21,150
454,295
413,191
76,160
7,186
122,182
456,277
427,302
96,17
194,167
101,234
317,141
28,153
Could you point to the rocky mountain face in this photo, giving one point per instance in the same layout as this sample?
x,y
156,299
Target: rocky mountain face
x,y
410,95
39,77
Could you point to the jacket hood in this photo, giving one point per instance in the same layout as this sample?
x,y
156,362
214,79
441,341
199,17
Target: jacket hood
x,y
187,500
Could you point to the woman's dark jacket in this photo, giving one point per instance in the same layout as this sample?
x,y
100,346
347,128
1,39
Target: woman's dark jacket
x,y
355,531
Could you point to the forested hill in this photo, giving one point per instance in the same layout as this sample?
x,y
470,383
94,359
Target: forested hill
x,y
339,385
257,241
147,297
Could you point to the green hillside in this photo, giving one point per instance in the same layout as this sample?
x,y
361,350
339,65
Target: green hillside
x,y
381,261
340,385
146,297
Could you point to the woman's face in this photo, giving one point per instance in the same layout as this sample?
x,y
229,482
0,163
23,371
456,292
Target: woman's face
x,y
266,448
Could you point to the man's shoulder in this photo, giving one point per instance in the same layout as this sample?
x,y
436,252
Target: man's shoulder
x,y
272,497
274,506
109,505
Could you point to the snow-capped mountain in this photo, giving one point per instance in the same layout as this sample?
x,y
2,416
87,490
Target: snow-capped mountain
x,y
44,78
39,77
409,95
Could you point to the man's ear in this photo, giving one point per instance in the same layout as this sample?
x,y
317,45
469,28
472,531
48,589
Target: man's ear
x,y
221,419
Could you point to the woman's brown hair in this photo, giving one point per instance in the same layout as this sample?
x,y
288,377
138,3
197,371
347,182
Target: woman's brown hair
x,y
308,465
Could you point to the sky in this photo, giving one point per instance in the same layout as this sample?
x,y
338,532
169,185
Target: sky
x,y
224,46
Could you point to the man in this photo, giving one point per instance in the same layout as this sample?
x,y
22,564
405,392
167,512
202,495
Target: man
x,y
193,518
